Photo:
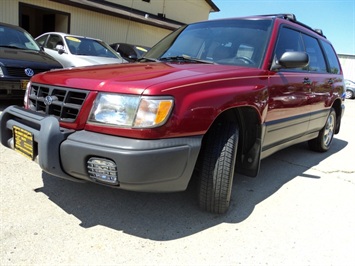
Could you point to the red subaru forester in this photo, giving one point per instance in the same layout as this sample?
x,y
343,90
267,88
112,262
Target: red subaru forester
x,y
210,98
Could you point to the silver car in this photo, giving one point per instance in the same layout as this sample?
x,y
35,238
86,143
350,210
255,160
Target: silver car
x,y
350,89
73,50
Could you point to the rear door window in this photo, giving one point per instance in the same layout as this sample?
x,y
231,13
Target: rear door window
x,y
316,58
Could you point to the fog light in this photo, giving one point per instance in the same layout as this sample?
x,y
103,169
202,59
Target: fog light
x,y
103,170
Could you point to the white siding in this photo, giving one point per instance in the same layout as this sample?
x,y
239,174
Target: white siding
x,y
112,29
9,11
348,66
185,11
88,23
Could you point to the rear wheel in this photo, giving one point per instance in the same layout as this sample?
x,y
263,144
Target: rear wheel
x,y
326,134
217,162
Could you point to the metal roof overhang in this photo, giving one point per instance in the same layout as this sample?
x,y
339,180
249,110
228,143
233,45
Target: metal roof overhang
x,y
117,10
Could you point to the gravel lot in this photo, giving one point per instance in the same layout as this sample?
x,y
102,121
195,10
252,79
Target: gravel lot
x,y
298,211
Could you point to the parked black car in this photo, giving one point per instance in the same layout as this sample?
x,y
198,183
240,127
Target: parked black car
x,y
130,52
20,59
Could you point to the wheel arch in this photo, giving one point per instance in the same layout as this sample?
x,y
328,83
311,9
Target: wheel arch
x,y
250,132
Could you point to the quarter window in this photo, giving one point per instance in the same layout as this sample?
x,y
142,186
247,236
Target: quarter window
x,y
332,58
42,40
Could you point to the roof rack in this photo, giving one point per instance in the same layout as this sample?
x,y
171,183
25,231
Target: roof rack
x,y
319,31
292,17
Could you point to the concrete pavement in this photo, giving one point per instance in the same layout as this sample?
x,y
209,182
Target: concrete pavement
x,y
300,210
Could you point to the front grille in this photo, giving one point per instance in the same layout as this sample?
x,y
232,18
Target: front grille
x,y
20,72
63,103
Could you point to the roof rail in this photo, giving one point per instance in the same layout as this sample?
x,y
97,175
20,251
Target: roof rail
x,y
292,17
319,31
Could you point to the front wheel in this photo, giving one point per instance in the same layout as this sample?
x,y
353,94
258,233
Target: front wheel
x,y
326,134
217,162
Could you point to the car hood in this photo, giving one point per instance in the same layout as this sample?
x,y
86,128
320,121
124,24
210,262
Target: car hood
x,y
27,58
139,78
84,60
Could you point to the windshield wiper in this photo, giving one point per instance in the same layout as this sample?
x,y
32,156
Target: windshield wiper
x,y
185,58
11,46
143,59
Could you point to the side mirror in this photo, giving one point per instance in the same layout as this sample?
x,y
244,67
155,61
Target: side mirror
x,y
291,60
60,49
133,57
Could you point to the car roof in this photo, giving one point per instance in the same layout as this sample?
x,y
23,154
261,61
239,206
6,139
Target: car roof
x,y
12,26
291,18
68,35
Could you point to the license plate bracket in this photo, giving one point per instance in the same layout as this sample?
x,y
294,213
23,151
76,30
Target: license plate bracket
x,y
23,142
24,83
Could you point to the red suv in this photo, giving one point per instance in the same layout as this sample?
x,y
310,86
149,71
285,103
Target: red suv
x,y
211,98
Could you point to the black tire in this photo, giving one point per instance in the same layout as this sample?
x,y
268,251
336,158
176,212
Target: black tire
x,y
216,167
326,134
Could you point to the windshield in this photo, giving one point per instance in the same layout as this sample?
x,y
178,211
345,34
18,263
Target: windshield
x,y
89,47
227,42
15,39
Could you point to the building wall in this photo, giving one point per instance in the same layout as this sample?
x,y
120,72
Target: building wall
x,y
89,23
348,66
186,11
9,11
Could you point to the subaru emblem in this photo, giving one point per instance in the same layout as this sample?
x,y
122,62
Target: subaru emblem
x,y
29,72
48,100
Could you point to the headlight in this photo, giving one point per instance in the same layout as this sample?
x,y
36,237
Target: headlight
x,y
130,111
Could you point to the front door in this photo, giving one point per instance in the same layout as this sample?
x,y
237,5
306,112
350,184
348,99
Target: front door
x,y
289,90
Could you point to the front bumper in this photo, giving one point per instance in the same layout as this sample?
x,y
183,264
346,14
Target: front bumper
x,y
12,88
163,165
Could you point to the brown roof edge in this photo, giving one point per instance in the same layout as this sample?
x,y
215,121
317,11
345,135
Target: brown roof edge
x,y
117,10
214,7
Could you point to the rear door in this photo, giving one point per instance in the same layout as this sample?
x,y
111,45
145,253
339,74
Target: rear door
x,y
320,81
